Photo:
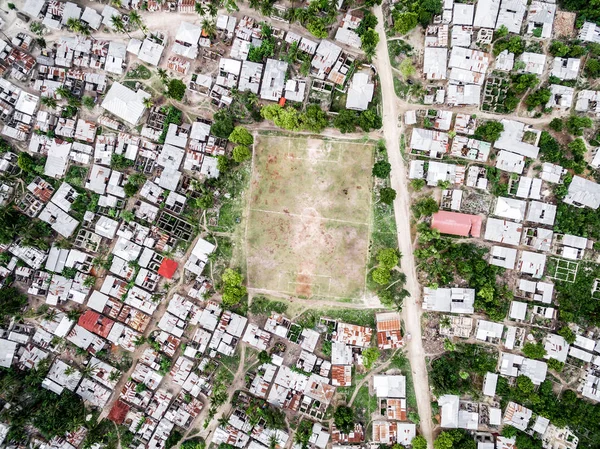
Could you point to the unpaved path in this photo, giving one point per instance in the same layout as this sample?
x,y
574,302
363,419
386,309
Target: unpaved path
x,y
411,312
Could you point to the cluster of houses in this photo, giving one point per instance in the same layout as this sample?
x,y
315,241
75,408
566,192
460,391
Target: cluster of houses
x,y
483,419
517,228
298,380
456,66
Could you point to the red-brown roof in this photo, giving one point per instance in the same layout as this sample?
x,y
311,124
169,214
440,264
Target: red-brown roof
x,y
118,412
167,268
457,224
96,323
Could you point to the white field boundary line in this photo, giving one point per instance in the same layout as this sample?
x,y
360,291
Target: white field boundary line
x,y
311,217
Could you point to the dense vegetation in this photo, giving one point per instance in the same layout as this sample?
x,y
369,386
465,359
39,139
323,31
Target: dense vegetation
x,y
566,410
446,262
461,371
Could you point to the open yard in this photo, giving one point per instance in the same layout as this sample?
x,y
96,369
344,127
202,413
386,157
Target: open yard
x,y
310,212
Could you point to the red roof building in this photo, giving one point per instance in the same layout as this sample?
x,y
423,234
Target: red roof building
x,y
455,223
167,268
118,412
96,323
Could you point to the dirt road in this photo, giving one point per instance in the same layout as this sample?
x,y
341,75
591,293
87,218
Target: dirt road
x,y
411,311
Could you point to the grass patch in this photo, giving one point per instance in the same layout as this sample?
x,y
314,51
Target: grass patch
x,y
263,306
307,231
310,318
76,175
139,72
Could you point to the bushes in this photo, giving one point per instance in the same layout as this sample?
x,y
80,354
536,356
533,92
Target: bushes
x,y
489,131
314,119
222,124
233,290
454,372
425,207
343,417
534,350
576,124
175,89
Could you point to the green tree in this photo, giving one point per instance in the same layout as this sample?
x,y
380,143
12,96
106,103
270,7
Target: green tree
x,y
576,124
417,184
388,257
557,48
176,89
88,102
534,350
381,275
419,442
387,195
556,124
222,125
344,419
425,207
286,118
12,302
444,441
592,68
49,102
369,120
346,121
241,136
556,365
233,290
489,131
314,119
369,41
566,333
370,356
404,22
241,153
407,68
501,32
382,169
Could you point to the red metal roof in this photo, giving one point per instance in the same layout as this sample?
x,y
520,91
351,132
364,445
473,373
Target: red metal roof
x,y
96,323
457,224
167,268
118,412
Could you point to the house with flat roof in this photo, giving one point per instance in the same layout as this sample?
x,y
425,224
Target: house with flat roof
x,y
565,68
435,63
431,142
486,13
503,257
542,213
560,97
511,15
273,82
541,17
534,63
503,231
583,193
250,76
510,162
532,263
454,300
